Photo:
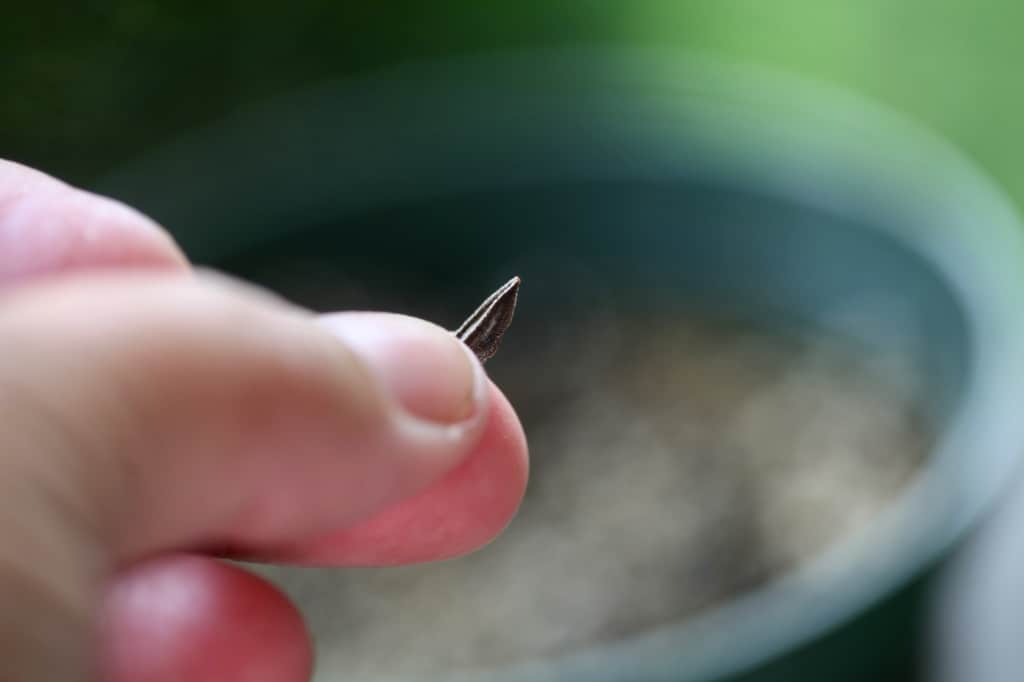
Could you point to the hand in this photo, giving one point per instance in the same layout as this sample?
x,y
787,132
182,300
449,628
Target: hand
x,y
152,417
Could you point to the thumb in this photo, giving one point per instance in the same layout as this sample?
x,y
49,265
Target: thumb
x,y
145,412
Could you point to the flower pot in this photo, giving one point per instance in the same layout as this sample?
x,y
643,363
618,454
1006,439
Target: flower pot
x,y
655,184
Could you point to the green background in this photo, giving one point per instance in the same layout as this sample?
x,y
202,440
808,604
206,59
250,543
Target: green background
x,y
89,85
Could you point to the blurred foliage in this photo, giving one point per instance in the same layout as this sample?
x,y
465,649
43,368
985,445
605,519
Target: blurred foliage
x,y
88,84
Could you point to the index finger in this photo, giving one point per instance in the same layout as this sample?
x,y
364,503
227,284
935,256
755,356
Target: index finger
x,y
47,226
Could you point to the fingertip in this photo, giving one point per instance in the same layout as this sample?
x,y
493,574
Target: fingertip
x,y
462,512
183,617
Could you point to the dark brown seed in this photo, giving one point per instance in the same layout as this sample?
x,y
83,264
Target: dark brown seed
x,y
482,331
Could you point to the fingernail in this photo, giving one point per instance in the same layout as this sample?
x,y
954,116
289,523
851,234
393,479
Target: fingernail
x,y
429,372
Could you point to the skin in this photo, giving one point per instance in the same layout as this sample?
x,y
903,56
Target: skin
x,y
153,418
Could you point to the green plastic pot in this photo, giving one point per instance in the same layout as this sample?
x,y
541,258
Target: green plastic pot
x,y
683,182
